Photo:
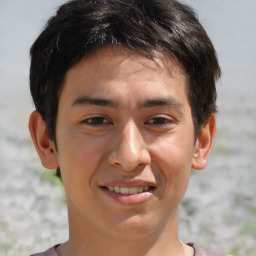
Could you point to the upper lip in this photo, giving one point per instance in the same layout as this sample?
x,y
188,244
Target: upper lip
x,y
128,183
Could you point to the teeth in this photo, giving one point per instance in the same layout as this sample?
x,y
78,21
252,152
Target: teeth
x,y
140,189
111,188
117,189
133,191
126,191
145,188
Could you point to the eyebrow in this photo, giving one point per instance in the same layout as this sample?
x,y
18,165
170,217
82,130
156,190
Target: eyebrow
x,y
172,102
162,102
84,100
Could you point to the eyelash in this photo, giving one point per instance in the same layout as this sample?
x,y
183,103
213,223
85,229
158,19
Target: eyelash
x,y
154,121
159,121
96,121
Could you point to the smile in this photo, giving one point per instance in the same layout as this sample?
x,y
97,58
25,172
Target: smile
x,y
129,191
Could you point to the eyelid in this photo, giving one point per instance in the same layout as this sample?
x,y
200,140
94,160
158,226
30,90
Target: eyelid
x,y
94,117
169,120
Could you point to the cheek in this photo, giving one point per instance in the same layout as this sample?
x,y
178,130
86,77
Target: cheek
x,y
173,157
79,156
81,147
79,159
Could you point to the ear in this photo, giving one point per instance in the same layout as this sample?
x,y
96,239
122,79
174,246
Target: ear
x,y
204,144
44,146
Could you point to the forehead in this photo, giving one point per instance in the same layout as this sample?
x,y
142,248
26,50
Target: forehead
x,y
111,56
111,68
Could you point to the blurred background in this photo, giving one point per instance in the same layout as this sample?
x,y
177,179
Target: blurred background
x,y
219,209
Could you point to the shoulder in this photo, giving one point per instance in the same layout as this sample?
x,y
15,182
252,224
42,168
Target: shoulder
x,y
49,252
203,251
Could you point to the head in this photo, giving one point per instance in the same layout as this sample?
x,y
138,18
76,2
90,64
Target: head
x,y
145,26
126,90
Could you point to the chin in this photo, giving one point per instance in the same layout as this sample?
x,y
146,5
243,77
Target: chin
x,y
132,228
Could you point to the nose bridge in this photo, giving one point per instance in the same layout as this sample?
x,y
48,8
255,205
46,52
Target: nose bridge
x,y
130,149
132,139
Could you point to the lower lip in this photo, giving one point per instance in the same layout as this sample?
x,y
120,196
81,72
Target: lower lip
x,y
128,199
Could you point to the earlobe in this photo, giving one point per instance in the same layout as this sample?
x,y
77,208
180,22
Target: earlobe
x,y
204,144
44,146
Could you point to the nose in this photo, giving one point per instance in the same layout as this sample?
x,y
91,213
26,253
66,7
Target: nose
x,y
129,149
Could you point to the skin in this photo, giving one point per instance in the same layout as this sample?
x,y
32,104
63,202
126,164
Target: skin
x,y
123,120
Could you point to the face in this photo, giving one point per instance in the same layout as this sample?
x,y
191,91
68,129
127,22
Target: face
x,y
125,142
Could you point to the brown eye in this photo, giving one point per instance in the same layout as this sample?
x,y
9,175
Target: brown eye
x,y
97,120
159,121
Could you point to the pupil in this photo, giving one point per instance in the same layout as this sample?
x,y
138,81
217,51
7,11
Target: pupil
x,y
97,120
159,120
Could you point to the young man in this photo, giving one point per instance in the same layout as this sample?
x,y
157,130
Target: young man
x,y
125,99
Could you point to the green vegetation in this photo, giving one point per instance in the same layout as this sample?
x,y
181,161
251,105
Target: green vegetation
x,y
235,249
247,232
249,228
50,177
7,245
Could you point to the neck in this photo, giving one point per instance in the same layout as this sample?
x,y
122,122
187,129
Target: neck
x,y
84,240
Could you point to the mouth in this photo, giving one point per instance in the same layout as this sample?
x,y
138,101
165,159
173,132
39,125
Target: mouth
x,y
129,190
